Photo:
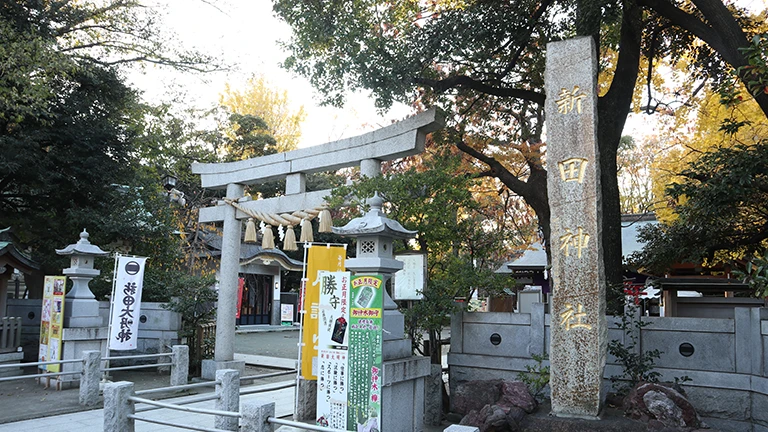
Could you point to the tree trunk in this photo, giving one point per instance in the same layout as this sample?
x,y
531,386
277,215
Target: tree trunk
x,y
613,109
435,347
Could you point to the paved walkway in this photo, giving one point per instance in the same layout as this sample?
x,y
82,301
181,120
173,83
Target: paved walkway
x,y
93,420
271,342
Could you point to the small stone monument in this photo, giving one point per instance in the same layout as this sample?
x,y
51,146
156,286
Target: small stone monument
x,y
84,328
578,343
404,374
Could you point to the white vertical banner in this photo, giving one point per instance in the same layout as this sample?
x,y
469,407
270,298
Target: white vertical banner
x,y
333,349
126,303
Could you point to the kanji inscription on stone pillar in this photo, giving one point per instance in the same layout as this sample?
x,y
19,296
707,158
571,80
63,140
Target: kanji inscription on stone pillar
x,y
578,343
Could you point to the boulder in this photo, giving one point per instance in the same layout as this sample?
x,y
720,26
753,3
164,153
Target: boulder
x,y
516,394
661,407
490,418
474,395
505,413
515,418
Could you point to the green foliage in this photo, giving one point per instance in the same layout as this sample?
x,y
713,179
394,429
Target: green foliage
x,y
722,207
536,376
756,274
435,199
193,297
251,138
636,366
77,148
756,72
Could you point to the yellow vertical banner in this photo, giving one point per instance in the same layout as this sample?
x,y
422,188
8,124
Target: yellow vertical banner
x,y
52,321
319,258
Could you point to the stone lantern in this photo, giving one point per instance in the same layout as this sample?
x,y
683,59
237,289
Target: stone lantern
x,y
374,232
81,308
403,387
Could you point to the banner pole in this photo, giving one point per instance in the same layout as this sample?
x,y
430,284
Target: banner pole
x,y
105,376
302,298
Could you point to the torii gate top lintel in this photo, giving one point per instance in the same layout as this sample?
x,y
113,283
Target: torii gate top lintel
x,y
397,140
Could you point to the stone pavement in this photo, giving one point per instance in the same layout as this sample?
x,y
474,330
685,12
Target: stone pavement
x,y
92,421
26,406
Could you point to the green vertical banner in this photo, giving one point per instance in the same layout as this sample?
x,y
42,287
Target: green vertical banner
x,y
365,360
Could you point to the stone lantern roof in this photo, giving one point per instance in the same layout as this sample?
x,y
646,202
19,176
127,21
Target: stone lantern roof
x,y
374,223
82,247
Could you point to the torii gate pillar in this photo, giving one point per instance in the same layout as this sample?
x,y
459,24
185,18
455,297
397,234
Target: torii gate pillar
x,y
230,264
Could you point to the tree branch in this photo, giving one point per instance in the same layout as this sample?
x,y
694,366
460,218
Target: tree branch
x,y
496,169
723,34
521,45
463,81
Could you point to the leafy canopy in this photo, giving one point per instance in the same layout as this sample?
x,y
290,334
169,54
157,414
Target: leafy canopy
x,y
462,239
262,99
721,212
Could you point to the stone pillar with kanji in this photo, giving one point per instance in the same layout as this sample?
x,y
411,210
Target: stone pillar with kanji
x,y
579,330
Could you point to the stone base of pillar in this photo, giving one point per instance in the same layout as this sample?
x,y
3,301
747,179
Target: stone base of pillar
x,y
75,341
394,322
578,416
306,401
11,358
403,394
81,313
396,349
209,367
433,396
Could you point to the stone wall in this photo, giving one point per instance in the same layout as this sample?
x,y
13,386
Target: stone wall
x,y
157,326
727,364
160,325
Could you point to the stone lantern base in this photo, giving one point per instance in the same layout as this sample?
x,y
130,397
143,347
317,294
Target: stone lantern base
x,y
81,313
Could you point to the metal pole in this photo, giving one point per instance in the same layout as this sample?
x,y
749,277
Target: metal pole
x,y
303,298
109,318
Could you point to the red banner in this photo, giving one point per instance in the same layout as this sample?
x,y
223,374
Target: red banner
x,y
240,285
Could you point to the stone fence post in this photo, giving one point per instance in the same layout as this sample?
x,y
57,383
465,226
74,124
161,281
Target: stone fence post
x,y
228,392
164,346
255,415
180,367
89,380
538,330
748,337
117,407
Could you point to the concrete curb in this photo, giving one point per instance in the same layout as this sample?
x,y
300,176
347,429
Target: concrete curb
x,y
264,329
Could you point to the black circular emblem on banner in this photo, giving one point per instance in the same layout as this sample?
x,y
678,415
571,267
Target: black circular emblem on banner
x,y
132,268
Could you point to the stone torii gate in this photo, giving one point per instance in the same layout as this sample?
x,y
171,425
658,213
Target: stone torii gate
x,y
404,138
